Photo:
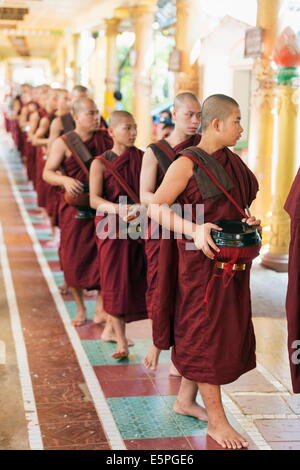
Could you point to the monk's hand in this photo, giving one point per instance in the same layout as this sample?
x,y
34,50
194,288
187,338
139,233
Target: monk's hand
x,y
133,211
73,186
203,239
252,221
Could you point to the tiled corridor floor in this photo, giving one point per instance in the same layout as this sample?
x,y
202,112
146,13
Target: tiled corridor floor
x,y
81,397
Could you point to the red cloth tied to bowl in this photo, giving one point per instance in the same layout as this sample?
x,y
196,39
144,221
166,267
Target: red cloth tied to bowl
x,y
241,245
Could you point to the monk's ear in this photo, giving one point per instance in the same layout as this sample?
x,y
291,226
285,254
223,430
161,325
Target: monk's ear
x,y
174,114
216,124
110,132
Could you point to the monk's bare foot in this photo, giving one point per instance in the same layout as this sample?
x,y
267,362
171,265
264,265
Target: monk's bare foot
x,y
80,319
121,352
151,359
100,318
190,409
173,371
226,436
111,338
64,289
52,244
108,335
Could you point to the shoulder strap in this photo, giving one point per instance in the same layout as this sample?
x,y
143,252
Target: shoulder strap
x,y
67,122
163,153
78,149
120,179
212,177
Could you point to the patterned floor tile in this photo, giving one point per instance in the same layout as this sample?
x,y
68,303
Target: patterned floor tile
x,y
128,388
27,193
250,382
53,375
43,235
50,394
99,352
90,331
100,446
127,372
151,417
51,254
294,403
80,434
71,306
30,206
25,187
58,277
167,386
58,412
260,405
279,430
285,445
164,443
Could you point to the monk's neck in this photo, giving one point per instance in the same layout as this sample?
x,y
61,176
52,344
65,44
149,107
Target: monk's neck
x,y
83,134
177,137
119,148
50,110
62,111
209,145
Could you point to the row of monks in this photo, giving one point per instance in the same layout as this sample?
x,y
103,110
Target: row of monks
x,y
198,306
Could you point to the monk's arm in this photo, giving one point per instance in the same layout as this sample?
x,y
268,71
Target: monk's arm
x,y
23,117
96,190
55,130
148,177
51,172
174,183
33,124
39,136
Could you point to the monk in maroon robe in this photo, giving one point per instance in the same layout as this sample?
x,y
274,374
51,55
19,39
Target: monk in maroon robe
x,y
292,206
158,157
214,340
122,262
78,250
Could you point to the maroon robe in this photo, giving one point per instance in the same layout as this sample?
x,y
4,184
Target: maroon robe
x,y
29,149
122,262
43,189
78,247
292,206
152,246
214,342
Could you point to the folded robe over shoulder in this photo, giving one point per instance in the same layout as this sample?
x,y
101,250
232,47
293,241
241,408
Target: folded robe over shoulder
x,y
78,248
214,342
122,263
292,206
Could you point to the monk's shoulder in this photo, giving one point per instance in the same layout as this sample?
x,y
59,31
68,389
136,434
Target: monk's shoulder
x,y
183,164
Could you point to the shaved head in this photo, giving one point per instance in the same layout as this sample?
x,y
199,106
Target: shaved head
x,y
217,107
117,116
183,97
79,105
80,89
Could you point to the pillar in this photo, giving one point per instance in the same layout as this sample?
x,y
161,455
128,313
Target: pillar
x,y
61,64
187,34
144,48
112,65
72,41
98,73
262,111
287,101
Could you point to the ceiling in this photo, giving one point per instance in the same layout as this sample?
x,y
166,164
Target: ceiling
x,y
44,22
